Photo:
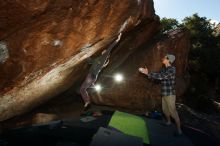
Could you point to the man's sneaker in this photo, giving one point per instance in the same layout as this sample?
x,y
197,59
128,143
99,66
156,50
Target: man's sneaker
x,y
166,124
178,134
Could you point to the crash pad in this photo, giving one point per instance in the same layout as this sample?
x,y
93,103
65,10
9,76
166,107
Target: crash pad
x,y
130,124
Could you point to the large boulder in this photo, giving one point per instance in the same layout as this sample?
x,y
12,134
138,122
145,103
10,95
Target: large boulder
x,y
137,91
45,44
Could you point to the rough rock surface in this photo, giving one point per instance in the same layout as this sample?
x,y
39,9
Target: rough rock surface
x,y
137,91
45,45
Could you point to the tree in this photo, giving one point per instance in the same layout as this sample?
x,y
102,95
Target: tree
x,y
204,55
169,24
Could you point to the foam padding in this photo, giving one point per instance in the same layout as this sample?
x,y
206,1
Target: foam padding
x,y
130,125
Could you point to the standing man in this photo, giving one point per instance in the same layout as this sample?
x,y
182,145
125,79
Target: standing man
x,y
96,66
167,76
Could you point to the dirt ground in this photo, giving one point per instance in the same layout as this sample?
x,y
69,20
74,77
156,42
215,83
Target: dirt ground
x,y
61,107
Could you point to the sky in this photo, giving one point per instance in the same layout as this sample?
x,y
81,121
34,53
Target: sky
x,y
179,9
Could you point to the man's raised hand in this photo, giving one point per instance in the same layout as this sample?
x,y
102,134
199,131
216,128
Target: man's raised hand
x,y
143,70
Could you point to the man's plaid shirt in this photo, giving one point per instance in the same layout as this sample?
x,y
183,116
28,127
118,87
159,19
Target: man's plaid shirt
x,y
167,78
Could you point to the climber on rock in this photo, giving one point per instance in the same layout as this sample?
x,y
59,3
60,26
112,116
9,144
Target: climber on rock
x,y
96,66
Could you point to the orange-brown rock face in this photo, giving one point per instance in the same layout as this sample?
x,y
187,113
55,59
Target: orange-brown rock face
x,y
16,13
136,91
45,43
